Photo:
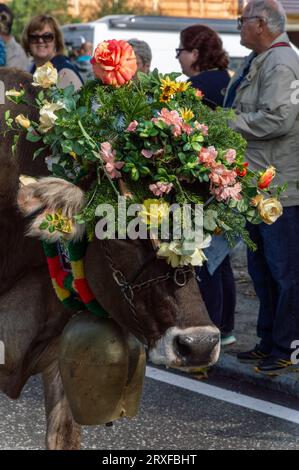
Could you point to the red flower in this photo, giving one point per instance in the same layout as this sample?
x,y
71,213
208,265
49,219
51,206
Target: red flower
x,y
266,178
242,171
114,62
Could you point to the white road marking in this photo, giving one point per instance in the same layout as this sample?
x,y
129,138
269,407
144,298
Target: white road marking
x,y
262,406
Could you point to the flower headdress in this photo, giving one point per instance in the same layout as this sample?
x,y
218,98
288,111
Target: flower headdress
x,y
157,135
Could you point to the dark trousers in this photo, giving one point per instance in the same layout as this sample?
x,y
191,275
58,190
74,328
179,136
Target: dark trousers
x,y
219,294
274,269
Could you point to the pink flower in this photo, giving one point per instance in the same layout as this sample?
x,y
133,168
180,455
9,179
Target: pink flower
x,y
132,126
223,193
170,118
108,156
147,153
221,176
160,188
187,129
207,156
202,127
230,156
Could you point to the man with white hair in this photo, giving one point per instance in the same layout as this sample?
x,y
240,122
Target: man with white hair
x,y
267,115
143,54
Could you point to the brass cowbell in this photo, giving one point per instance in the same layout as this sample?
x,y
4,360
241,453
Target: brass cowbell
x,y
102,369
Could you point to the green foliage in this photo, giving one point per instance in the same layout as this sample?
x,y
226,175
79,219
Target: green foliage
x,y
24,10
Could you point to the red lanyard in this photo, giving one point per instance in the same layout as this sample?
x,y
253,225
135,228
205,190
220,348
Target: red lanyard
x,y
280,44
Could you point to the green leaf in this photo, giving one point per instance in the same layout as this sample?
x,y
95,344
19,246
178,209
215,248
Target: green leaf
x,y
58,170
187,147
38,152
196,146
242,205
33,137
44,226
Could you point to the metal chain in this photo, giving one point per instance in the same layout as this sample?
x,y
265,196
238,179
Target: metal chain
x,y
128,290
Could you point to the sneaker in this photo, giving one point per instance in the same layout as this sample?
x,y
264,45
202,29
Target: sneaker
x,y
273,365
254,355
227,339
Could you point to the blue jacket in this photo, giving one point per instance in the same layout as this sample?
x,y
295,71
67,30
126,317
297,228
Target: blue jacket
x,y
213,84
2,53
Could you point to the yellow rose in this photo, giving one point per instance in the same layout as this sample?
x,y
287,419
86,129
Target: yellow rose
x,y
154,211
45,76
47,116
270,210
22,121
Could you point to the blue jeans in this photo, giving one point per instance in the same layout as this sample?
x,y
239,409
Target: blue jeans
x,y
274,269
219,294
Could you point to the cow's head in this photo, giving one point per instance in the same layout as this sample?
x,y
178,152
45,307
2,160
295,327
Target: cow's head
x,y
160,305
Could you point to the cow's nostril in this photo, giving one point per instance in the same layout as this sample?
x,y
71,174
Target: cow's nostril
x,y
183,345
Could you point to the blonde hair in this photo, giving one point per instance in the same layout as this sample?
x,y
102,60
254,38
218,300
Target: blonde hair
x,y
37,23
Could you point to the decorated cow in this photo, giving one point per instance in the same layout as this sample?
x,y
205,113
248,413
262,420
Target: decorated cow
x,y
165,312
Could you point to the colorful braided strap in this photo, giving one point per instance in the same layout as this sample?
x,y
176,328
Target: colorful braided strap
x,y
72,287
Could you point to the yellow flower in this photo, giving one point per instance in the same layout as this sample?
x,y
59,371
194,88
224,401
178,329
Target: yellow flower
x,y
14,93
45,76
168,87
154,211
269,210
25,180
164,98
256,200
61,223
182,86
74,155
22,121
47,116
186,114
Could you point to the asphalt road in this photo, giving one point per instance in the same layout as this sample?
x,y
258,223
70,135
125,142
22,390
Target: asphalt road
x,y
171,417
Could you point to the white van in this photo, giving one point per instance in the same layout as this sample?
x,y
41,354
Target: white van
x,y
160,32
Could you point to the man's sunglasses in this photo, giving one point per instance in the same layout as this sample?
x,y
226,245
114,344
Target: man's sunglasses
x,y
37,38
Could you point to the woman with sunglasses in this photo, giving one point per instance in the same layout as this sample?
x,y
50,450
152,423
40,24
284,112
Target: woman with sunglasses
x,y
42,40
205,62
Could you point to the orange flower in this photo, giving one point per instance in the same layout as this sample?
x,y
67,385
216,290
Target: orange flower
x,y
199,94
114,62
266,178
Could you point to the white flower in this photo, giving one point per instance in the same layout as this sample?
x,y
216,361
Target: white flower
x,y
174,252
47,116
45,76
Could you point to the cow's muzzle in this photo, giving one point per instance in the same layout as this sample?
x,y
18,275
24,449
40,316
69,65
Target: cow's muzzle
x,y
190,347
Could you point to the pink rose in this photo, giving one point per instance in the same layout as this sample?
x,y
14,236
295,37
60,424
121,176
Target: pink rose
x,y
132,126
